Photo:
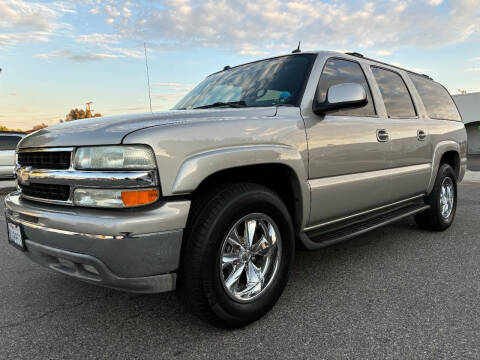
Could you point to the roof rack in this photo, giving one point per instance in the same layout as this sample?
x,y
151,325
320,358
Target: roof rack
x,y
356,54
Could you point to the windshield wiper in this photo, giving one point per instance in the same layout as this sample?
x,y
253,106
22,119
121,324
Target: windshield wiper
x,y
233,104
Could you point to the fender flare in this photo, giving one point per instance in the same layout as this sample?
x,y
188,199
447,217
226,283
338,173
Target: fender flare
x,y
197,167
440,149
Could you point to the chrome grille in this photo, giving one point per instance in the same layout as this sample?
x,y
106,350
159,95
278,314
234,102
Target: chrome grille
x,y
54,160
46,191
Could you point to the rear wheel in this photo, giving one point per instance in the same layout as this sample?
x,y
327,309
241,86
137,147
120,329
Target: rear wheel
x,y
238,253
442,201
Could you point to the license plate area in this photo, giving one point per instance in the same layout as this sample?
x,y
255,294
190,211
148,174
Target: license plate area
x,y
15,235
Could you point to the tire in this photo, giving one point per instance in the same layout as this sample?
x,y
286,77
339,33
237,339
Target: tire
x,y
203,278
442,209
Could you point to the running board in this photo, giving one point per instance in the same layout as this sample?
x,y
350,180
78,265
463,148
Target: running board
x,y
318,239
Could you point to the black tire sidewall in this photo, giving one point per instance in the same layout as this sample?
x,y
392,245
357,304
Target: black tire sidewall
x,y
222,304
444,172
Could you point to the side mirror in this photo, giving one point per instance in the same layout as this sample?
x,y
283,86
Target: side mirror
x,y
342,96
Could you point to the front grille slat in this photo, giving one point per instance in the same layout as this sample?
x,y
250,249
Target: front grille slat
x,y
48,160
47,191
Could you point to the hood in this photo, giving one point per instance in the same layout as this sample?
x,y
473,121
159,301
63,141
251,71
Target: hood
x,y
110,130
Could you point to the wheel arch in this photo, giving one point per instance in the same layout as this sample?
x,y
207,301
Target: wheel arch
x,y
277,167
446,152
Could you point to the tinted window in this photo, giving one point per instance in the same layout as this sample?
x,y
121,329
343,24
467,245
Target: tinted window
x,y
9,142
437,100
339,71
396,97
278,81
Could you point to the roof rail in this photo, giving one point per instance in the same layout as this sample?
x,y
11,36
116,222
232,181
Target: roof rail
x,y
355,54
384,63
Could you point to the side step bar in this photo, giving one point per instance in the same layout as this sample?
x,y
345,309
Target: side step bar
x,y
318,239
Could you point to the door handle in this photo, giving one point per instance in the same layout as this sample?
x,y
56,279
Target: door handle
x,y
382,135
421,135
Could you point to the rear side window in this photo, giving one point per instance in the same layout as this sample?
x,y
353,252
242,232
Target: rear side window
x,y
437,100
339,71
396,96
9,142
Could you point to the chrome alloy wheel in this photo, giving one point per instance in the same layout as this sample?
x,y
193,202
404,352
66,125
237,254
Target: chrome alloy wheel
x,y
447,197
250,257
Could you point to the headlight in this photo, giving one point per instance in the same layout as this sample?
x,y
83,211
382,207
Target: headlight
x,y
114,157
114,198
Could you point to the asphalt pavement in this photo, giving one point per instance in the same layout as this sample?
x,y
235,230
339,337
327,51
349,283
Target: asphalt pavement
x,y
474,162
395,293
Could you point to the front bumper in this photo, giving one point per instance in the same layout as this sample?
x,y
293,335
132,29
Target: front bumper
x,y
134,250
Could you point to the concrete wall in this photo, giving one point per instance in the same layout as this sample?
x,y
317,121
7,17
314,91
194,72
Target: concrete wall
x,y
473,135
469,107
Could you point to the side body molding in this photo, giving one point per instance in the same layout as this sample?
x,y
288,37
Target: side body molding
x,y
198,167
441,148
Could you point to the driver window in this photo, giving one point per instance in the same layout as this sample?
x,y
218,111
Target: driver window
x,y
340,71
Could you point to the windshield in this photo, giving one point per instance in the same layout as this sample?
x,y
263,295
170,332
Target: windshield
x,y
277,81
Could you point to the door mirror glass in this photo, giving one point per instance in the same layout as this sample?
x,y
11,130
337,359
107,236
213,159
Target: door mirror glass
x,y
341,96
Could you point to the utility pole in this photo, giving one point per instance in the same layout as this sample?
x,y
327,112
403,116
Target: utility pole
x,y
88,105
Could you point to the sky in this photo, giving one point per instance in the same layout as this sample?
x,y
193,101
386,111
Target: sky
x,y
58,55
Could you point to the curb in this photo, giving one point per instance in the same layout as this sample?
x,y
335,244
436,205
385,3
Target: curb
x,y
472,176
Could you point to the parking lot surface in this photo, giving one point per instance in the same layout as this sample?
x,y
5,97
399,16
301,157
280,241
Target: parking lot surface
x,y
397,292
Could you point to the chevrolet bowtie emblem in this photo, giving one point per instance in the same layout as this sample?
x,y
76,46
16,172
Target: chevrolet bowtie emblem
x,y
23,175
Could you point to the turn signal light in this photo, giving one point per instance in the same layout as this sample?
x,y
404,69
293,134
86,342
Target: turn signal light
x,y
139,197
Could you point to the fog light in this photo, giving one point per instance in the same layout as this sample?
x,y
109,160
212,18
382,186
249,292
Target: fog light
x,y
114,198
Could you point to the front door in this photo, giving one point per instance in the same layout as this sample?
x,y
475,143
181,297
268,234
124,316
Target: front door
x,y
348,167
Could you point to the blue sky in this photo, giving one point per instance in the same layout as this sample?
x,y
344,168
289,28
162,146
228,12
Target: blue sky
x,y
57,55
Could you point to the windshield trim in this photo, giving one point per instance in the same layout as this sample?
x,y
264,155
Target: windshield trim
x,y
260,60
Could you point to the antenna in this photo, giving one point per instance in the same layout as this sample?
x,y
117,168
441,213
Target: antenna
x,y
297,50
148,76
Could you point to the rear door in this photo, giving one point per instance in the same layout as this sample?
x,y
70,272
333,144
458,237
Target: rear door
x,y
348,168
409,155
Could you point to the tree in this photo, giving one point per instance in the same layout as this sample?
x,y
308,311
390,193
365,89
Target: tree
x,y
37,127
77,114
4,128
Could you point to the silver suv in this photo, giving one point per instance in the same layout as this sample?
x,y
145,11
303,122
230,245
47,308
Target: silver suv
x,y
8,144
211,198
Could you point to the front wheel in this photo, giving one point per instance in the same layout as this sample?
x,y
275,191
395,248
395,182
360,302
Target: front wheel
x,y
238,253
442,201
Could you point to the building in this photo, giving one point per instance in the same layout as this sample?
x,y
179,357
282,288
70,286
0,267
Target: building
x,y
469,107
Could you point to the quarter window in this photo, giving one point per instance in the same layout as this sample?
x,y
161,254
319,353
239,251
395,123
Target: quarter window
x,y
438,102
340,71
9,142
396,96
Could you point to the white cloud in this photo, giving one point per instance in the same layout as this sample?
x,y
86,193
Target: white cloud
x,y
274,26
477,69
109,43
99,39
383,53
76,56
22,21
